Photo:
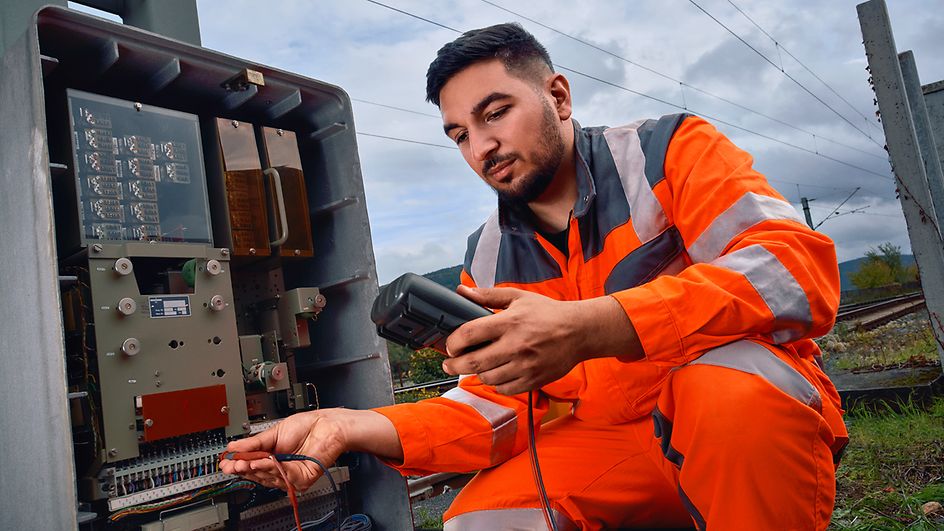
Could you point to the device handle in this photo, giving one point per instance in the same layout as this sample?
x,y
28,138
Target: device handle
x,y
280,201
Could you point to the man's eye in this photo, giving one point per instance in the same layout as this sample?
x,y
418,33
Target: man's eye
x,y
496,115
460,138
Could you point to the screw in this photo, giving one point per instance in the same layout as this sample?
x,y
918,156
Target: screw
x,y
279,132
137,106
246,426
235,123
252,250
157,373
224,410
113,452
131,426
298,252
224,252
157,383
148,423
97,248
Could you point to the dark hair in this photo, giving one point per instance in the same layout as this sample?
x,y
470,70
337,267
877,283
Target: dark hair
x,y
522,55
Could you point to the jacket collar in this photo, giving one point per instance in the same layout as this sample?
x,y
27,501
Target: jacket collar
x,y
516,219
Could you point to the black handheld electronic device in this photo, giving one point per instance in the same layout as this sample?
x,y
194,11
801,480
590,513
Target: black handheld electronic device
x,y
416,312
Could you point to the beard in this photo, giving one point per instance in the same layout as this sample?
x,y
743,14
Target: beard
x,y
547,159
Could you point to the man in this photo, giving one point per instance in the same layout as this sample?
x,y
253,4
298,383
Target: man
x,y
647,275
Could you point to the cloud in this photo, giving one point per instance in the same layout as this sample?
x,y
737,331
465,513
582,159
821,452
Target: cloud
x,y
423,201
391,263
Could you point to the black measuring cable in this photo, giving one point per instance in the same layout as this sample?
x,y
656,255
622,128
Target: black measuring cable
x,y
536,467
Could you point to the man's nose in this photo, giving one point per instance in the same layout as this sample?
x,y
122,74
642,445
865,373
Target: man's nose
x,y
482,146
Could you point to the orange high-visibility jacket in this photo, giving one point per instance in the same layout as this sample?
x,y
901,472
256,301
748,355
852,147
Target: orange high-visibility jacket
x,y
698,248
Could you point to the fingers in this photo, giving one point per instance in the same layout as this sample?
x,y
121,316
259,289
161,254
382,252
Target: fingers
x,y
264,441
517,386
497,298
247,468
478,361
502,376
473,334
508,377
302,475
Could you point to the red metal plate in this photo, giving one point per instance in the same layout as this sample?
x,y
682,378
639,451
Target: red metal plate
x,y
181,412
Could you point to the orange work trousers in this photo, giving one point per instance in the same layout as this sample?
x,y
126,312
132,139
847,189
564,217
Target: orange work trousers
x,y
729,447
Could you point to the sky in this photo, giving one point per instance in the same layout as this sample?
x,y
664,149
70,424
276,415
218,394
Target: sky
x,y
423,200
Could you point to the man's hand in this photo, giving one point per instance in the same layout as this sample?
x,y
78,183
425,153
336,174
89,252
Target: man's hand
x,y
324,434
536,339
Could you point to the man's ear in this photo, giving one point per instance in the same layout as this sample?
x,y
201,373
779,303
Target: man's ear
x,y
559,89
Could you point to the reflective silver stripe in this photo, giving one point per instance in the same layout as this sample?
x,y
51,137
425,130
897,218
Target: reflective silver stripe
x,y
485,259
749,357
746,212
506,519
503,420
645,211
776,286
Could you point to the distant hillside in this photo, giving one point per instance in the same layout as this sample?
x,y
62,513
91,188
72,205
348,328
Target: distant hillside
x,y
847,268
448,277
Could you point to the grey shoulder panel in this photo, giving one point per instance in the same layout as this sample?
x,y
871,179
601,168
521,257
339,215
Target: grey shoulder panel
x,y
610,208
473,242
654,138
645,262
494,257
522,259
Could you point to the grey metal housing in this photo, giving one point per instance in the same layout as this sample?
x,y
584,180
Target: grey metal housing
x,y
348,361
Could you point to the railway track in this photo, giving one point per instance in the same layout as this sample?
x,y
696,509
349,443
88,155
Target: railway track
x,y
439,385
866,316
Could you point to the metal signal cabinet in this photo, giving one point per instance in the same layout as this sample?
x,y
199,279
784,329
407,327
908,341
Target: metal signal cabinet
x,y
186,260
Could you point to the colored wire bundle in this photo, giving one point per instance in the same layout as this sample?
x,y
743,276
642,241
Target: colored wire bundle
x,y
355,522
173,502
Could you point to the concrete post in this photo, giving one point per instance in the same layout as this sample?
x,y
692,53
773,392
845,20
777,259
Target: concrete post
x,y
922,125
934,101
907,163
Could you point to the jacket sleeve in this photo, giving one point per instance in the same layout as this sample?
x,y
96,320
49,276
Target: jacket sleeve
x,y
755,269
468,428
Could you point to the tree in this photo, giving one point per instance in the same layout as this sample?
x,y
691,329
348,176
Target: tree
x,y
873,274
882,267
399,361
426,366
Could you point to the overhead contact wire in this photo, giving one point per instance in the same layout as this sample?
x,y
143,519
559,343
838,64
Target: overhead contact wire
x,y
784,72
808,69
642,94
725,122
674,80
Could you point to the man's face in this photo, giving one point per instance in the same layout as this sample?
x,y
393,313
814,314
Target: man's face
x,y
506,130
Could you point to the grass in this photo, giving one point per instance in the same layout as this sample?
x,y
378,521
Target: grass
x,y
425,519
850,349
895,460
894,464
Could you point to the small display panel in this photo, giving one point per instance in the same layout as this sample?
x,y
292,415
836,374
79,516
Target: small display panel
x,y
139,171
170,306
